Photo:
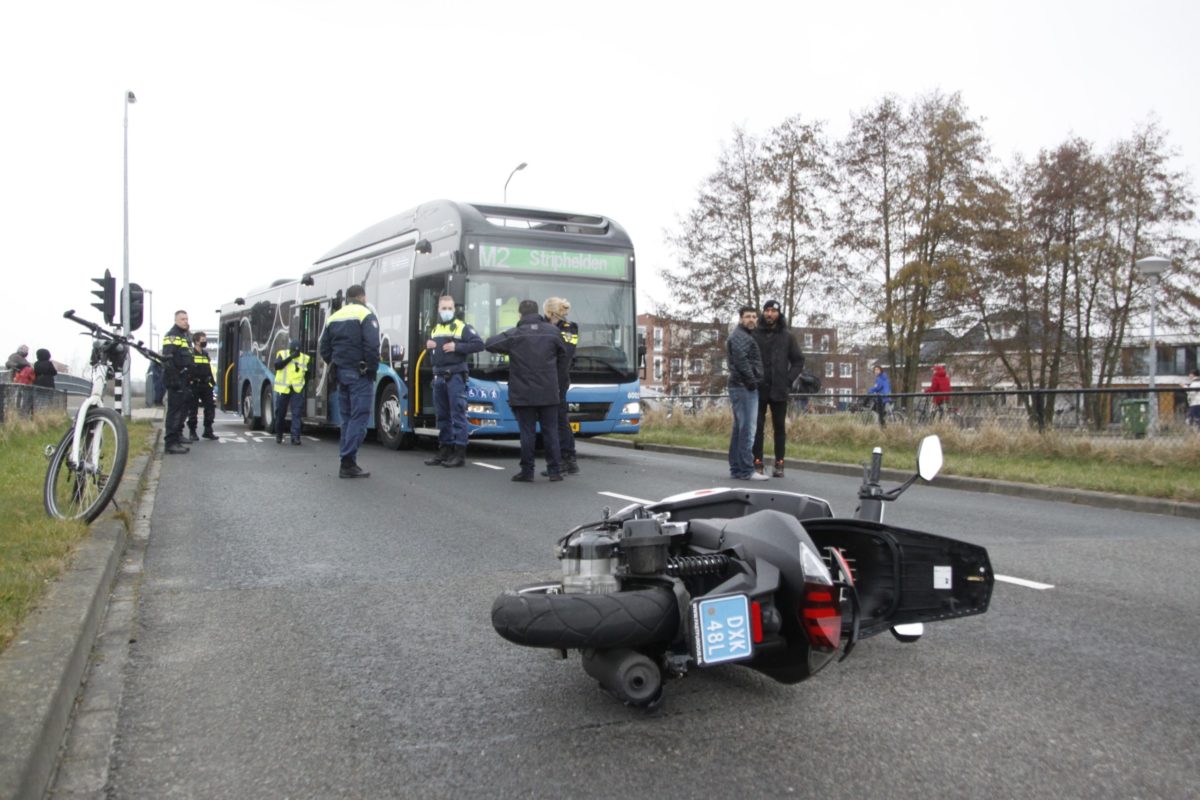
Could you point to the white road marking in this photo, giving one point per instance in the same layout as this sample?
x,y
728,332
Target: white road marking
x,y
485,466
625,497
1025,583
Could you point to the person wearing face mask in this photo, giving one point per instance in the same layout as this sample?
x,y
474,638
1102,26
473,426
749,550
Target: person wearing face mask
x,y
449,344
201,383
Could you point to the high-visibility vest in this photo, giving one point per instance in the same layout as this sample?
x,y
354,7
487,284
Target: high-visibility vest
x,y
291,378
453,329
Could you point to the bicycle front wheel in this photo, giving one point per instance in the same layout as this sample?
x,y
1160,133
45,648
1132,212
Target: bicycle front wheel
x,y
82,490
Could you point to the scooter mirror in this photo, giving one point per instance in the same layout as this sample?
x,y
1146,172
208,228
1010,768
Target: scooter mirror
x,y
929,457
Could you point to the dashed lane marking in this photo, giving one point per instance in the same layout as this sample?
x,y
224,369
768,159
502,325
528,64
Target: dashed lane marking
x,y
625,497
485,466
1025,583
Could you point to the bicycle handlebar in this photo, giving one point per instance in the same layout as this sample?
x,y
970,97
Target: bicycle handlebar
x,y
115,337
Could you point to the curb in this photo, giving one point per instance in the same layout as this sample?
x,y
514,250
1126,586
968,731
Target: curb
x,y
1085,497
42,670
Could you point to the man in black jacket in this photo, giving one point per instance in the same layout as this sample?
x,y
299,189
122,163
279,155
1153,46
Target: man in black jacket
x,y
783,361
538,364
745,375
177,368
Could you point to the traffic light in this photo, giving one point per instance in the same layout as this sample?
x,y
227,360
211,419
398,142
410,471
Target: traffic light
x,y
108,296
135,306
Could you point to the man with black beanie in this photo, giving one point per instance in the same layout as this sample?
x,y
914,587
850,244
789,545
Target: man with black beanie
x,y
783,361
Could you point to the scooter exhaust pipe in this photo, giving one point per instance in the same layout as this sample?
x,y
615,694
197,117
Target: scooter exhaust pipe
x,y
630,676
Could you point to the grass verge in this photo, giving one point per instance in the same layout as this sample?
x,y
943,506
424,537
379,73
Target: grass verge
x,y
34,548
1148,468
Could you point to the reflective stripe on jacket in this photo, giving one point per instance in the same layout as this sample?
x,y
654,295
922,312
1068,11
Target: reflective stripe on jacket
x,y
290,379
466,341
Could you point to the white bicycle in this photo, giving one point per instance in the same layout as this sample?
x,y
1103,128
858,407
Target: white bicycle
x,y
87,464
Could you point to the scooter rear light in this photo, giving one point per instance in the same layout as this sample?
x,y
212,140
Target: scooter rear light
x,y
821,614
756,630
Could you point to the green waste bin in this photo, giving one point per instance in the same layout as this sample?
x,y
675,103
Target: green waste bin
x,y
1135,417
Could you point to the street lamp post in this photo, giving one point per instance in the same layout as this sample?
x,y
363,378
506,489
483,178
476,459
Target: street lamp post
x,y
1153,268
126,407
516,169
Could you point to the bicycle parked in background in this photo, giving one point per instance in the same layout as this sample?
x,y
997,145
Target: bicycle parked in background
x,y
87,464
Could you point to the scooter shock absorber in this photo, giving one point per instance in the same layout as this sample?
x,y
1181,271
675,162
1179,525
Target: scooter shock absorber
x,y
683,566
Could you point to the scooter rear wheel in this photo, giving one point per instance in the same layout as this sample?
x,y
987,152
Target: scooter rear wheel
x,y
626,619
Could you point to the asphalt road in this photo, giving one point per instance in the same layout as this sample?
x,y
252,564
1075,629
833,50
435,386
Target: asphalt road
x,y
298,635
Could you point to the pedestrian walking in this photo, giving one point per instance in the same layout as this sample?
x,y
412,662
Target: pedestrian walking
x,y
939,386
745,376
350,345
1193,399
292,369
451,341
882,391
782,361
555,310
538,361
177,369
44,370
201,383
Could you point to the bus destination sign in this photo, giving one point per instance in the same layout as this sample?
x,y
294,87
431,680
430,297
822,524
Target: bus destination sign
x,y
555,262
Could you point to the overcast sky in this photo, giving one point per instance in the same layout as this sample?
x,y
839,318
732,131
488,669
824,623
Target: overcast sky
x,y
266,132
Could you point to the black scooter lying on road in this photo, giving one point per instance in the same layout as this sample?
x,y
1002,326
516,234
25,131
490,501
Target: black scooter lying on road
x,y
766,579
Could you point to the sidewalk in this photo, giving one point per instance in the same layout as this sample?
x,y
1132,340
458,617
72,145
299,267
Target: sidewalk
x,y
42,670
1145,505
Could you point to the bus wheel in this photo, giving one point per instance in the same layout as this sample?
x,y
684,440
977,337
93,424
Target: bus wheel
x,y
388,421
248,418
268,408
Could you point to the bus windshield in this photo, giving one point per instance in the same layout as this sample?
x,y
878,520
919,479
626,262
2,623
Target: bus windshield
x,y
603,311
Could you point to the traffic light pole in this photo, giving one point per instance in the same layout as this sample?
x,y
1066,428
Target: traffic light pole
x,y
126,407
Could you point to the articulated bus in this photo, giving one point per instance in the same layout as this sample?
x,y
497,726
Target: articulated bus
x,y
488,258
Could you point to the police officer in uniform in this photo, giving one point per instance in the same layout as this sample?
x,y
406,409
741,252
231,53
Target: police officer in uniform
x,y
555,310
350,344
201,389
537,371
450,342
291,372
177,369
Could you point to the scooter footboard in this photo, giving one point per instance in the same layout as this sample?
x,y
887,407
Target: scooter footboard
x,y
907,576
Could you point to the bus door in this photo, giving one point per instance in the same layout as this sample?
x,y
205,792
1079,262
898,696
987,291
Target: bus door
x,y
312,317
227,359
426,292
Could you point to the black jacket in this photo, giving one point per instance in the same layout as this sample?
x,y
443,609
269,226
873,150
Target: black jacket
x,y
745,363
177,358
782,358
538,361
350,340
44,372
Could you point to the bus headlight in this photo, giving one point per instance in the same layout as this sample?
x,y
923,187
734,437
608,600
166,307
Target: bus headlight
x,y
631,408
479,408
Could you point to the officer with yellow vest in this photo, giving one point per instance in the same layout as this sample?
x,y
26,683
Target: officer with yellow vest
x,y
450,342
202,383
555,310
350,344
177,367
291,372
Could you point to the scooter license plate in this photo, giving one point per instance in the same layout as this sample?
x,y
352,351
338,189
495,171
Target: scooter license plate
x,y
721,629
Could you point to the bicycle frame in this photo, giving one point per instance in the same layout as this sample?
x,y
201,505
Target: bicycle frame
x,y
101,372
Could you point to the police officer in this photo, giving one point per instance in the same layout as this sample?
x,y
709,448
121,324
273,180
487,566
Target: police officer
x,y
200,390
177,368
350,344
450,342
291,372
555,310
537,370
